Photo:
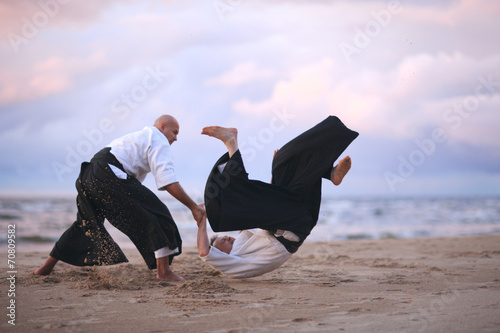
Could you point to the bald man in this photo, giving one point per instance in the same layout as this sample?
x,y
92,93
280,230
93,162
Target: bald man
x,y
109,187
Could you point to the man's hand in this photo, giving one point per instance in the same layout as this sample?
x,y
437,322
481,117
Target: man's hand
x,y
176,190
199,214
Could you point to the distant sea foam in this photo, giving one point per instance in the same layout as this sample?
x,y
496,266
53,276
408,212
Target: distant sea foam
x,y
41,220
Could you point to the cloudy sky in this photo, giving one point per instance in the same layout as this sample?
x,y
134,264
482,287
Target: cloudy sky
x,y
419,80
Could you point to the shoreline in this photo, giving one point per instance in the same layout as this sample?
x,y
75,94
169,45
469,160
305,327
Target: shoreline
x,y
40,222
26,246
392,285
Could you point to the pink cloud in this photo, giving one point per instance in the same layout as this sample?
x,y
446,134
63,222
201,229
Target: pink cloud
x,y
301,91
241,74
398,103
43,78
63,13
466,12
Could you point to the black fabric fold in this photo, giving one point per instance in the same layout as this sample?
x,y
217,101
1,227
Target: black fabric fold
x,y
292,201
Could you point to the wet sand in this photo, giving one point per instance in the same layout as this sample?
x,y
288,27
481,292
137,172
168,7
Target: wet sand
x,y
389,285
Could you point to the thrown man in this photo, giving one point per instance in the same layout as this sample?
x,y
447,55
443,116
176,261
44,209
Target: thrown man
x,y
284,211
110,187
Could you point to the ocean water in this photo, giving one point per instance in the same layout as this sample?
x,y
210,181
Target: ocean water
x,y
39,221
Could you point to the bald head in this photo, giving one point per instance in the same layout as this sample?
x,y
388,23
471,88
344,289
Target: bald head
x,y
167,119
168,126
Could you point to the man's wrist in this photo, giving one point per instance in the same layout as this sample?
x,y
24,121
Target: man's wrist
x,y
193,206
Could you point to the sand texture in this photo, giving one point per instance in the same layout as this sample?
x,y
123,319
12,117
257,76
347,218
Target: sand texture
x,y
389,285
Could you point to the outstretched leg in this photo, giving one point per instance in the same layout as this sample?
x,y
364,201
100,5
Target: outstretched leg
x,y
229,136
340,170
47,267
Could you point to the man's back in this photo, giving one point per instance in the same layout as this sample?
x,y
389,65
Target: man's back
x,y
145,151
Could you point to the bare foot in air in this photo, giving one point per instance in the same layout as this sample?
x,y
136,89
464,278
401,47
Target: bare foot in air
x,y
228,135
340,170
222,133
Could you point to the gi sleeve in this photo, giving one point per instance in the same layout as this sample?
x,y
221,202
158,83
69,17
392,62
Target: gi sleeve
x,y
161,162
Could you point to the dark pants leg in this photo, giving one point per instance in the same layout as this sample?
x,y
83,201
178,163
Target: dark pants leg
x,y
87,242
128,205
301,163
140,214
234,202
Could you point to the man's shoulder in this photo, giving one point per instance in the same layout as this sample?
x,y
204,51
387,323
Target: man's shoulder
x,y
145,131
147,134
141,138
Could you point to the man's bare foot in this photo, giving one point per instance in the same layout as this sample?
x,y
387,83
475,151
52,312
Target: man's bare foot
x,y
170,276
228,135
340,170
43,271
47,267
222,133
163,271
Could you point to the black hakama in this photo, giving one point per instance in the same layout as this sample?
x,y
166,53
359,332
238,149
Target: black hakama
x,y
128,205
292,201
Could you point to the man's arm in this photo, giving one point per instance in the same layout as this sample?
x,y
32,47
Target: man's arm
x,y
202,241
176,190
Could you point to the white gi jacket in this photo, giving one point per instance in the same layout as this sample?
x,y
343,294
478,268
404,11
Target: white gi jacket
x,y
142,152
254,252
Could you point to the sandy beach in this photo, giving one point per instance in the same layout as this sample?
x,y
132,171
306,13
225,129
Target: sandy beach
x,y
388,285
